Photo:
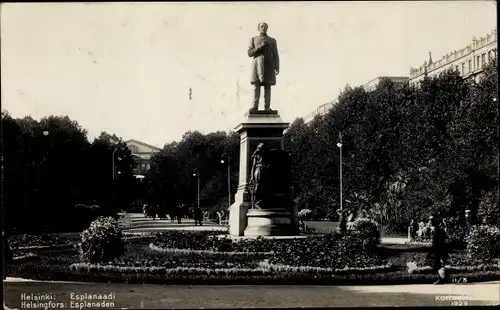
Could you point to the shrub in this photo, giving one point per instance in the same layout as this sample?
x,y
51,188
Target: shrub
x,y
102,241
456,231
483,243
489,210
367,229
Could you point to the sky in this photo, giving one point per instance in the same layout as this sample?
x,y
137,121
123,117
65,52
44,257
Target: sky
x,y
126,68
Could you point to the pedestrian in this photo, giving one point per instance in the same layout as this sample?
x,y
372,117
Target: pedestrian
x,y
439,250
179,215
172,215
342,220
412,229
198,216
219,217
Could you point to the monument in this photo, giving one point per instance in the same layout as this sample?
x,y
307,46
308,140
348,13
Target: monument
x,y
263,204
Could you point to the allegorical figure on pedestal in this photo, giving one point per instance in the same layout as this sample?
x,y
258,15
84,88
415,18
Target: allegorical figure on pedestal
x,y
258,174
265,65
269,178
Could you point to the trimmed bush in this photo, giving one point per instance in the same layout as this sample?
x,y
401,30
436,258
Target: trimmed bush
x,y
367,229
102,241
483,243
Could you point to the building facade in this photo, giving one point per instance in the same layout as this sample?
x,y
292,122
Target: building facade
x,y
371,85
374,83
321,110
469,61
141,153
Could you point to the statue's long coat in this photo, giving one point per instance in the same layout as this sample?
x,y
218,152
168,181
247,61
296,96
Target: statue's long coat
x,y
265,60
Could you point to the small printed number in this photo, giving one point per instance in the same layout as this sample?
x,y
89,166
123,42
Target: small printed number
x,y
459,280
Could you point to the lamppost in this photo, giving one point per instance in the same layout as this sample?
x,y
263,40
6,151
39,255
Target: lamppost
x,y
43,169
339,145
228,179
196,174
113,163
113,185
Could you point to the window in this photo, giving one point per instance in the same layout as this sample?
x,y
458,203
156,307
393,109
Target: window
x,y
478,64
134,149
483,59
463,67
470,66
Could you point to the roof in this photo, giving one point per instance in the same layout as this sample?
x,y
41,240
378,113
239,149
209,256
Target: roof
x,y
144,144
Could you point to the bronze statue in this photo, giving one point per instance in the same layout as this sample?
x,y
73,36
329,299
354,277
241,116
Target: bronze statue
x,y
265,65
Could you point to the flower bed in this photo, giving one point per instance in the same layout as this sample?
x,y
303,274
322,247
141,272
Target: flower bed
x,y
328,251
18,256
168,270
139,264
413,268
63,273
32,242
418,242
319,270
206,252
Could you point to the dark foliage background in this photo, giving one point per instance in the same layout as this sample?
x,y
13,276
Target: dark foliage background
x,y
407,152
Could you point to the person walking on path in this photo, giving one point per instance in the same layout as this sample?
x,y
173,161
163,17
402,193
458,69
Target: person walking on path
x,y
198,216
439,250
412,229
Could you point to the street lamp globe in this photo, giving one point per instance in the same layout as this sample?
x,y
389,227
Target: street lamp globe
x,y
222,161
45,132
194,174
339,144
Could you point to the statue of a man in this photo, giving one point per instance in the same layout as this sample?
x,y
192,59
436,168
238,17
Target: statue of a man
x,y
265,65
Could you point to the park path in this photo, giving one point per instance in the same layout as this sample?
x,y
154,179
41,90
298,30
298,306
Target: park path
x,y
135,222
241,296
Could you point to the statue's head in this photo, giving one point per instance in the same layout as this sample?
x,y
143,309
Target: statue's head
x,y
262,27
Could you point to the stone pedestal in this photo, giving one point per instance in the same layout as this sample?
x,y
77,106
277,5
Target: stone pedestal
x,y
269,222
267,127
238,218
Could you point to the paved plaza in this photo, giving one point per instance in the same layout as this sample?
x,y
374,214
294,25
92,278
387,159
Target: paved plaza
x,y
242,296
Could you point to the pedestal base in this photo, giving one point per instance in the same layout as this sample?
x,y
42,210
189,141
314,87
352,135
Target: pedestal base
x,y
238,213
269,222
237,219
